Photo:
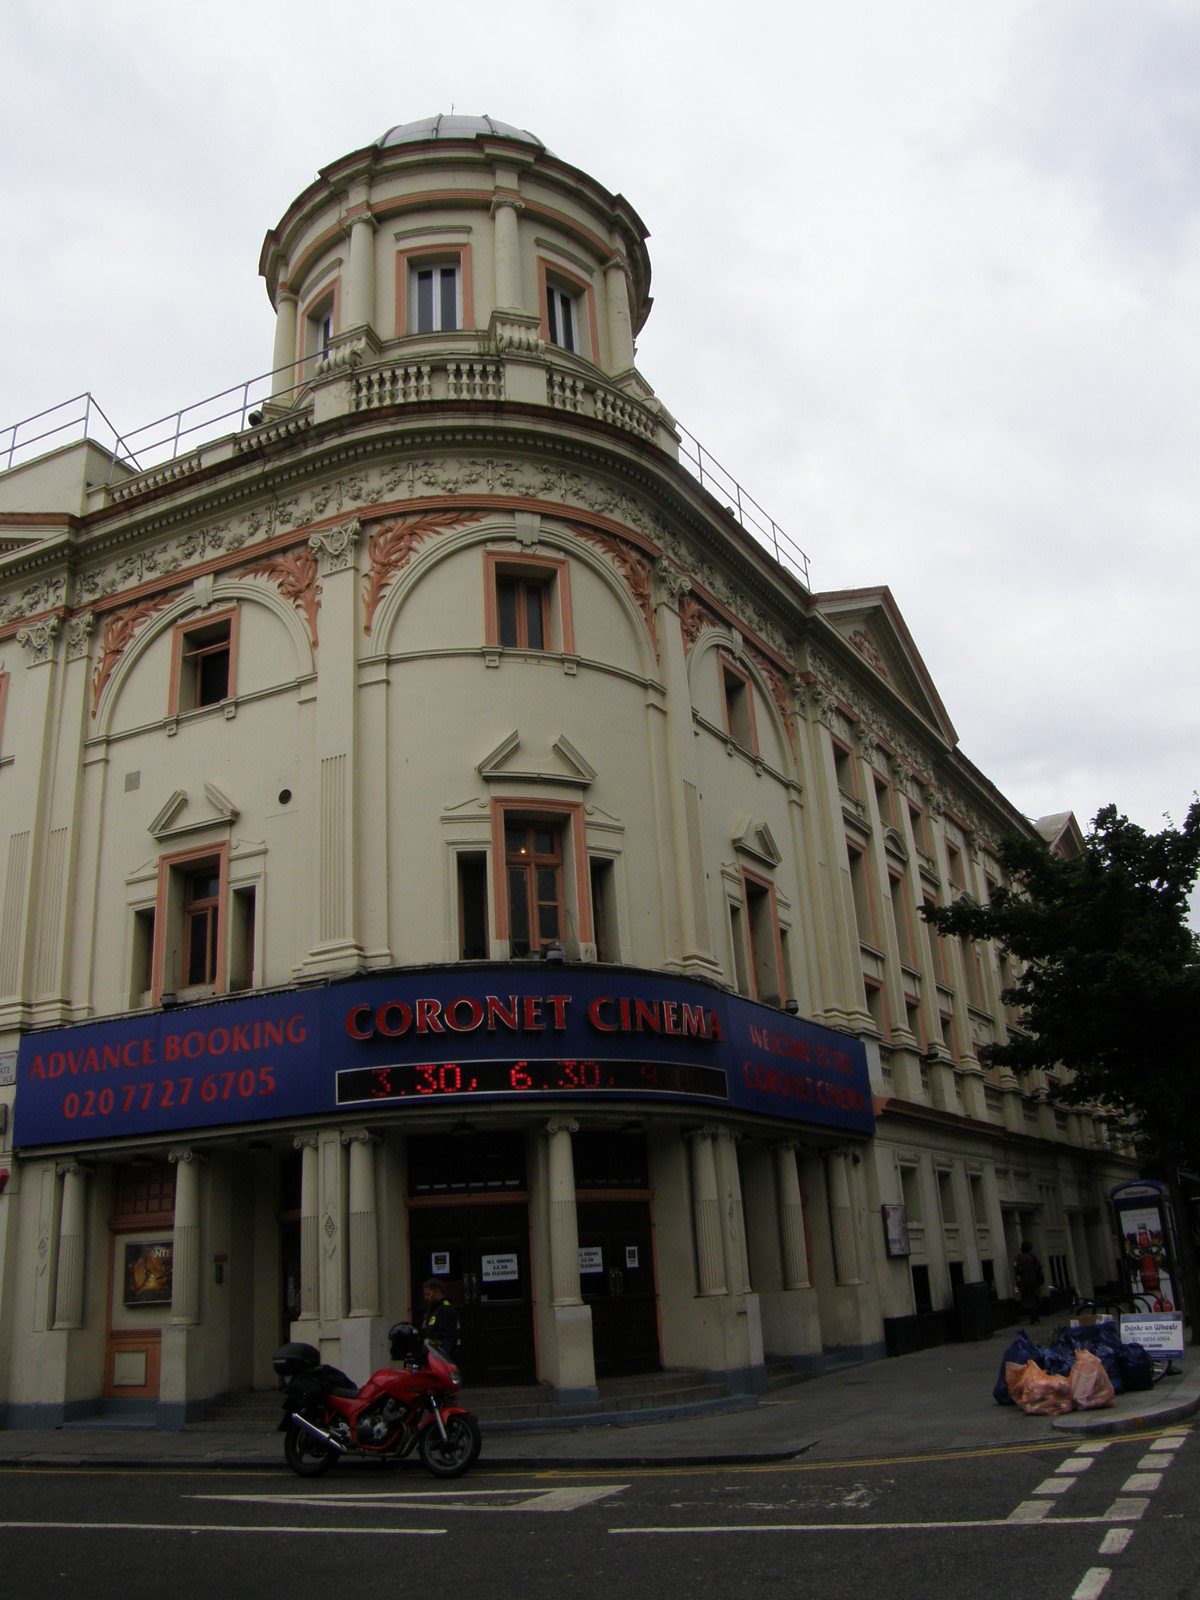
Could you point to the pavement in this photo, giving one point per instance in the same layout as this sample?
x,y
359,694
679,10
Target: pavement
x,y
929,1402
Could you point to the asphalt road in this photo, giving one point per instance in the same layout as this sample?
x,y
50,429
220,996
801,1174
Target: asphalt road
x,y
1058,1520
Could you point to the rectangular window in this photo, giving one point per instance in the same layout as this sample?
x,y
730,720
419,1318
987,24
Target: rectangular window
x,y
523,612
533,868
527,603
141,964
241,939
900,916
954,867
561,318
741,971
472,907
877,1009
860,889
937,959
763,929
435,299
920,837
739,706
883,799
602,875
843,767
912,1017
3,698
204,656
191,925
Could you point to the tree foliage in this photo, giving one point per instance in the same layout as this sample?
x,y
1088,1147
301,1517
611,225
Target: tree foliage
x,y
1108,981
1108,974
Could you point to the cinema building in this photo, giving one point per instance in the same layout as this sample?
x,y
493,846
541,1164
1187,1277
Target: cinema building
x,y
438,835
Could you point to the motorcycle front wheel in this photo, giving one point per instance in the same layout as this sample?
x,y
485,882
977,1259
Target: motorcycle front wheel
x,y
452,1456
305,1453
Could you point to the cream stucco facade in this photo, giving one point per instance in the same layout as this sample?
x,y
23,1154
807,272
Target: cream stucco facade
x,y
444,682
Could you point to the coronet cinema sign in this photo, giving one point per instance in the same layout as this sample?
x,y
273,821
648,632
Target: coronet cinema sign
x,y
486,1033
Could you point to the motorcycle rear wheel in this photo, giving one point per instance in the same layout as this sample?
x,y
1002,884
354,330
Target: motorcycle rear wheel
x,y
454,1455
305,1453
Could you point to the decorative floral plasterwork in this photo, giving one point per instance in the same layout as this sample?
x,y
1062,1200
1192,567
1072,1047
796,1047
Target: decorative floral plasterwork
x,y
866,647
37,597
119,629
39,637
295,574
392,544
79,631
674,584
633,569
336,544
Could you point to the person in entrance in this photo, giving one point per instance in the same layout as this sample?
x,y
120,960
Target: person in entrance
x,y
1027,1270
440,1325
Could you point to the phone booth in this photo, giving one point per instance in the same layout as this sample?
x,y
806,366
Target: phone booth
x,y
1142,1213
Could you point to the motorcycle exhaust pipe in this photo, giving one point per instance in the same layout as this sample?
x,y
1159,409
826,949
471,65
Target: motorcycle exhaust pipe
x,y
318,1433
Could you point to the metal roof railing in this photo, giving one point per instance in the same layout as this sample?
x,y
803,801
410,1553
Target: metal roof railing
x,y
759,524
163,440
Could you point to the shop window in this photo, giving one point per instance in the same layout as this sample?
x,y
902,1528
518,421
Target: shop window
x,y
435,297
467,1163
602,879
922,1298
527,604
191,929
605,1160
473,944
739,706
562,317
763,929
203,663
533,868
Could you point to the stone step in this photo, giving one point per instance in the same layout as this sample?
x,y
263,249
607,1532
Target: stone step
x,y
260,1410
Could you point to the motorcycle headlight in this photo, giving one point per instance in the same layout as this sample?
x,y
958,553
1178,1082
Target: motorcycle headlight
x,y
455,1376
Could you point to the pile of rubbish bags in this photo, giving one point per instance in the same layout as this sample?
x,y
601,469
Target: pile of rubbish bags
x,y
1085,1367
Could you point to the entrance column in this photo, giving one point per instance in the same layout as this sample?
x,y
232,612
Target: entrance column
x,y
706,1214
364,1346
185,1268
179,1353
68,1292
791,1219
310,1237
841,1216
570,1360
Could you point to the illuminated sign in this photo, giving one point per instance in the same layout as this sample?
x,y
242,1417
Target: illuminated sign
x,y
465,1032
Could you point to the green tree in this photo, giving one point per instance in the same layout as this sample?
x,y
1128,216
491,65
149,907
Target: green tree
x,y
1108,983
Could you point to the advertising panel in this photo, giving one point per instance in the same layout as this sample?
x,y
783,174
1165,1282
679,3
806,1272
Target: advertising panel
x,y
487,1033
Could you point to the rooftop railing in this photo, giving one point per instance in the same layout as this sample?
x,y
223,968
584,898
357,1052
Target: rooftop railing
x,y
235,408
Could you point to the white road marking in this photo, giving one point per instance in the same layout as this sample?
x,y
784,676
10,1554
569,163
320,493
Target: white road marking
x,y
1115,1540
1030,1511
1125,1511
1142,1483
1156,1463
1092,1583
871,1527
1075,1464
436,1499
1093,1449
1171,1442
1054,1486
214,1527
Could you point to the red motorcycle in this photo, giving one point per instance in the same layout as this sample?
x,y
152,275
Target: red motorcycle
x,y
326,1416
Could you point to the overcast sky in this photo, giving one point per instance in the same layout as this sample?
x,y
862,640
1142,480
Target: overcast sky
x,y
926,278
